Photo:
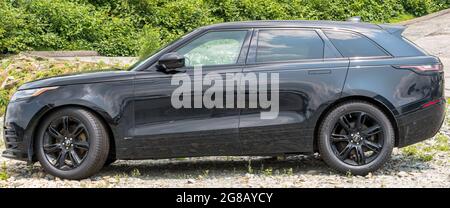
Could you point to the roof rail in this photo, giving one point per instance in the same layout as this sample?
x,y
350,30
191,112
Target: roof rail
x,y
354,19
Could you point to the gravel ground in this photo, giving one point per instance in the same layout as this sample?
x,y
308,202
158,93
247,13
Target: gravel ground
x,y
402,170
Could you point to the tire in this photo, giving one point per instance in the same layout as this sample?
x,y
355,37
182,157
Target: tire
x,y
356,137
67,152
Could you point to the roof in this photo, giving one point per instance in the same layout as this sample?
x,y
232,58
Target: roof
x,y
295,23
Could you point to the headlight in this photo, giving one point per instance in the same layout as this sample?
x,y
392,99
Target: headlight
x,y
24,94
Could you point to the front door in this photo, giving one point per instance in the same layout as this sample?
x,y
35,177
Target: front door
x,y
163,128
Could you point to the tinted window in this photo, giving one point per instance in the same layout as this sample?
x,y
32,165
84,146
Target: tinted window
x,y
285,45
353,45
214,48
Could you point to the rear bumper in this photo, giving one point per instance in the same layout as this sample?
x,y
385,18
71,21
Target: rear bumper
x,y
420,125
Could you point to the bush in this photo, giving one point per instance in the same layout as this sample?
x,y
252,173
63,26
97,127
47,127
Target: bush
x,y
422,7
150,39
17,29
132,27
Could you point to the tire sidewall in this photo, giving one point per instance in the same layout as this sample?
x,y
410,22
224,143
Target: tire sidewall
x,y
328,125
96,141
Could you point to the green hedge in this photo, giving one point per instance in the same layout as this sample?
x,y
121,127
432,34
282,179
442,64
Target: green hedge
x,y
137,27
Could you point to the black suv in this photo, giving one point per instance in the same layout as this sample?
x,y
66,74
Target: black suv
x,y
350,91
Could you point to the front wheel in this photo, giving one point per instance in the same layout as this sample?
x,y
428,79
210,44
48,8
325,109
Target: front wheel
x,y
356,137
72,143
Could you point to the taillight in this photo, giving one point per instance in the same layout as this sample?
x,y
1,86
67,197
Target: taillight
x,y
423,68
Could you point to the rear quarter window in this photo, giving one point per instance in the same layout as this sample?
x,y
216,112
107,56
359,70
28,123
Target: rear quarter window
x,y
354,45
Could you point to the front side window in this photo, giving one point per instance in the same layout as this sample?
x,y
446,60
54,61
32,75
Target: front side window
x,y
214,48
354,45
288,45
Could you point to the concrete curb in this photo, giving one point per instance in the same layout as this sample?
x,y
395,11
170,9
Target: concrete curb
x,y
424,18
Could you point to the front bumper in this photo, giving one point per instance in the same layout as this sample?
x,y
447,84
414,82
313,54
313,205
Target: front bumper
x,y
14,144
18,129
420,125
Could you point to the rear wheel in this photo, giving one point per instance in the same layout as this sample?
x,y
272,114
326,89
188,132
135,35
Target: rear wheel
x,y
356,137
72,143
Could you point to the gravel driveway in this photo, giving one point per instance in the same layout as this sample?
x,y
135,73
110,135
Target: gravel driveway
x,y
426,164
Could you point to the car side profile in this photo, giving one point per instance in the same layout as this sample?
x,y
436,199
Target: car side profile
x,y
351,91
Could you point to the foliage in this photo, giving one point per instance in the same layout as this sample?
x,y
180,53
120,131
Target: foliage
x,y
2,143
135,172
3,172
150,40
132,27
425,151
24,69
417,153
423,7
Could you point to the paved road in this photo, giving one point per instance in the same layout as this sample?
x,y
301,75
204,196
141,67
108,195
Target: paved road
x,y
433,35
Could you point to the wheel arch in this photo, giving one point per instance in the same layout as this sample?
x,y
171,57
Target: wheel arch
x,y
103,118
382,106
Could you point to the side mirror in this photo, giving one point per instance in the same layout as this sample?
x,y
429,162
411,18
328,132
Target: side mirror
x,y
170,61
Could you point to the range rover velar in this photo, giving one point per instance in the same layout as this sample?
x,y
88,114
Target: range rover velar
x,y
348,90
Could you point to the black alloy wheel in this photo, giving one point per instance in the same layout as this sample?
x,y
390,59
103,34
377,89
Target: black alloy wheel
x,y
66,143
72,143
356,137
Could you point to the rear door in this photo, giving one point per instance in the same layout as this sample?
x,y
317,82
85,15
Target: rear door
x,y
311,75
371,72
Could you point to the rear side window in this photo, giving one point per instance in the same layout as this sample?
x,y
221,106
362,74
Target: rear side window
x,y
354,45
287,45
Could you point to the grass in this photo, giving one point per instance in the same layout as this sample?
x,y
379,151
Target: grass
x,y
135,173
288,171
249,167
4,172
2,143
268,171
424,151
417,153
442,143
401,18
204,174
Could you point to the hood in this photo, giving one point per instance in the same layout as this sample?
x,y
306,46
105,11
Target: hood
x,y
80,78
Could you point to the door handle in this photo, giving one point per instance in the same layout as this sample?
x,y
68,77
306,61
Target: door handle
x,y
319,71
